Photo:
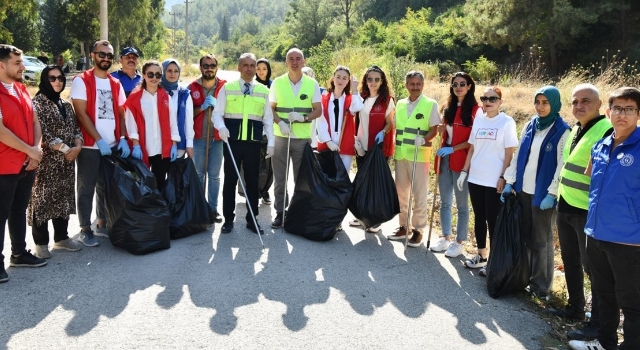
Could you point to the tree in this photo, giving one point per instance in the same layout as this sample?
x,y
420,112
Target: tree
x,y
309,21
347,9
53,38
224,29
79,18
19,23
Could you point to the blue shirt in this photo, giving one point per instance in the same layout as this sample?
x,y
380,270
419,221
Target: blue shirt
x,y
128,83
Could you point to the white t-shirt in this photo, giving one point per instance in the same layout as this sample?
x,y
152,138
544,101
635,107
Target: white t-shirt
x,y
363,127
336,131
490,137
105,122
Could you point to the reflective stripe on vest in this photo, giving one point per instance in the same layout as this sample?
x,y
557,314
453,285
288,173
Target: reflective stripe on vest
x,y
242,110
287,103
407,129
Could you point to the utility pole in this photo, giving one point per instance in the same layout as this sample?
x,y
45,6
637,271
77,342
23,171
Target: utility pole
x,y
186,31
104,22
174,14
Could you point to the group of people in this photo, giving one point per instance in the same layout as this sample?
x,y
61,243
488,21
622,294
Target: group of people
x,y
583,179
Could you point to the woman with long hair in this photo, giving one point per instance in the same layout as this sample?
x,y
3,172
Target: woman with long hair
x,y
152,128
459,114
180,105
263,72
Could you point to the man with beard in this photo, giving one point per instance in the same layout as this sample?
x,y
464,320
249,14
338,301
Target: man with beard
x,y
128,73
207,146
98,100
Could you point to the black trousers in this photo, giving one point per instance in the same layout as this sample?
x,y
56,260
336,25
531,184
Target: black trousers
x,y
486,205
159,168
41,233
247,156
15,191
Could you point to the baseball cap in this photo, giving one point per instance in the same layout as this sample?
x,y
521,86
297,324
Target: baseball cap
x,y
127,50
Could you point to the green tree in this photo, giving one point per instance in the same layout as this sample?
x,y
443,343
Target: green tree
x,y
79,18
23,25
224,29
309,20
53,38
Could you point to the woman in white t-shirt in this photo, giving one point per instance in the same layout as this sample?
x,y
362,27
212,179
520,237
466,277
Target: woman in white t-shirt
x,y
492,142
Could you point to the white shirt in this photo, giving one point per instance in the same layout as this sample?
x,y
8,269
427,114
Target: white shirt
x,y
365,112
479,113
12,91
317,96
152,132
221,105
189,132
323,128
105,121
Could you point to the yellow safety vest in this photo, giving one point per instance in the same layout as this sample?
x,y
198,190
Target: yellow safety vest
x,y
243,113
287,103
407,129
574,184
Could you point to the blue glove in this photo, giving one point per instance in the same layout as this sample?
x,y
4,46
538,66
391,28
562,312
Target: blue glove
x,y
380,137
548,202
507,189
104,148
123,147
210,101
137,152
174,153
444,151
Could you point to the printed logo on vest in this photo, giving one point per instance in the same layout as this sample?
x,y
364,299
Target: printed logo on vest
x,y
627,160
487,134
196,94
549,147
378,108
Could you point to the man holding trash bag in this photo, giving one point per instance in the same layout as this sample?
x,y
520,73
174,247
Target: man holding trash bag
x,y
243,105
416,122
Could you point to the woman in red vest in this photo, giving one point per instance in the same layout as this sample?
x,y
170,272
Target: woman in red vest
x,y
337,130
151,129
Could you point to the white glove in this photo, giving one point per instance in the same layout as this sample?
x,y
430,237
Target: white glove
x,y
460,182
284,128
224,134
270,151
359,149
332,146
296,117
420,141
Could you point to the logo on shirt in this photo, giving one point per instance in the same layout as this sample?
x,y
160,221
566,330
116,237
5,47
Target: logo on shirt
x,y
378,108
626,160
105,104
549,147
196,94
487,134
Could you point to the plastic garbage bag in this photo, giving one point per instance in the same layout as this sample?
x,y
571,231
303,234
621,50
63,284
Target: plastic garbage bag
x,y
321,196
375,198
508,268
137,215
190,211
265,179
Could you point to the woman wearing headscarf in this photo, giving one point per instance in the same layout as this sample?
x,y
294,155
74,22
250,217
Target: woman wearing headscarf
x,y
534,174
53,196
180,105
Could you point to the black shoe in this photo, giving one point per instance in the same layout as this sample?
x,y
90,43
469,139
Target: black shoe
x,y
253,228
266,200
567,312
227,227
588,331
26,259
217,218
4,277
277,222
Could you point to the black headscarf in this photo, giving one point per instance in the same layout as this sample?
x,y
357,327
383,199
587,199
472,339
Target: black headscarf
x,y
266,82
47,90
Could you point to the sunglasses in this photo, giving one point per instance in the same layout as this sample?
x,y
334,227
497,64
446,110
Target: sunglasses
x,y
59,78
491,99
209,66
150,75
371,80
104,54
455,85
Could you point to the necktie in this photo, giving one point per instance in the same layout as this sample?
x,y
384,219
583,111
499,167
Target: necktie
x,y
336,113
247,89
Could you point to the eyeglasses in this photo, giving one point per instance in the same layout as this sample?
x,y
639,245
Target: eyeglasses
x,y
59,78
371,80
104,54
209,66
455,85
150,75
491,99
624,110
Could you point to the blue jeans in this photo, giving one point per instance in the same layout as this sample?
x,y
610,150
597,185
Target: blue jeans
x,y
447,186
213,168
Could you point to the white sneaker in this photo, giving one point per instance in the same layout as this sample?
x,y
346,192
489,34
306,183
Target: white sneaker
x,y
67,244
373,229
441,245
355,223
476,262
455,249
42,251
585,345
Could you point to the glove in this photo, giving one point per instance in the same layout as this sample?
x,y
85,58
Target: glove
x,y
174,153
507,189
548,202
224,134
137,152
270,151
420,141
359,149
380,137
210,101
296,117
105,150
444,151
333,146
460,182
284,128
123,147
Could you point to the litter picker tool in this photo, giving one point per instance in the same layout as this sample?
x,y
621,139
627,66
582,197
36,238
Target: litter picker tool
x,y
433,205
286,175
413,177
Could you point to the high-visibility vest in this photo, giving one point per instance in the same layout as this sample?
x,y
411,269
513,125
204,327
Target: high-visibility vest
x,y
574,184
243,113
287,103
407,129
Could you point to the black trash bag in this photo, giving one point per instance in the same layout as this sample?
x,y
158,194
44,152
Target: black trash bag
x,y
321,196
375,198
508,268
190,212
137,215
265,178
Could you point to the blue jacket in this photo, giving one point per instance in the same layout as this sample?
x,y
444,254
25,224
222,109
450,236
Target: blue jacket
x,y
183,95
614,195
547,161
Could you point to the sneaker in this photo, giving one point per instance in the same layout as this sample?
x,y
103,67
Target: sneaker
x,y
102,231
416,239
586,345
588,331
277,222
26,259
227,227
373,229
266,200
355,223
455,249
399,234
476,262
4,277
441,245
42,251
483,272
567,312
217,218
67,244
88,238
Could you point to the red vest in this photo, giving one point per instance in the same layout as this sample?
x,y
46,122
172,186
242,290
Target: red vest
x,y
197,95
133,104
348,130
461,134
17,116
90,84
377,120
